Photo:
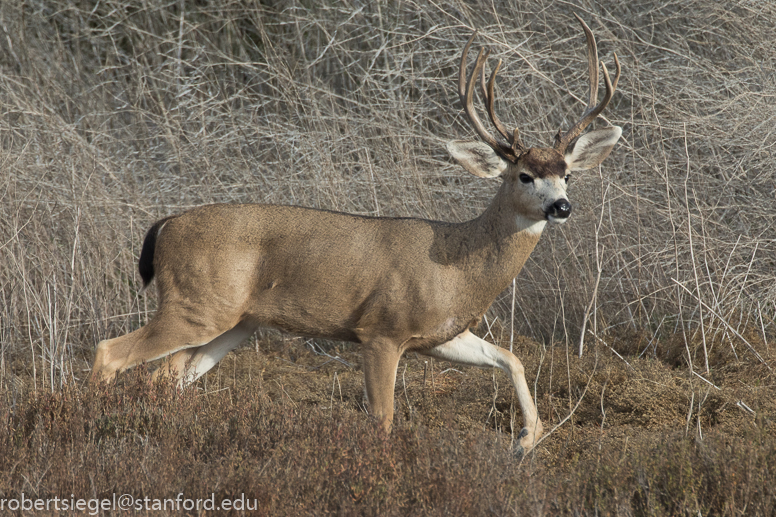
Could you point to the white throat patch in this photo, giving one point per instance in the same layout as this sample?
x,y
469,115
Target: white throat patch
x,y
532,227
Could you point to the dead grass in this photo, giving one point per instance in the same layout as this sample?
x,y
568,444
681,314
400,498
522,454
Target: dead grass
x,y
285,427
116,113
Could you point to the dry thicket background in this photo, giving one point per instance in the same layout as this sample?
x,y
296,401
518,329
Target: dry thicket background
x,y
116,113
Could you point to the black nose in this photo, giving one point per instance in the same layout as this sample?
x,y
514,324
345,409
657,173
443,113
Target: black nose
x,y
561,209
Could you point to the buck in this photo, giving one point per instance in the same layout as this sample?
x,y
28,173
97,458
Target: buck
x,y
390,284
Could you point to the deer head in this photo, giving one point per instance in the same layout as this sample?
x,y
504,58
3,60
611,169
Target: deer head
x,y
538,176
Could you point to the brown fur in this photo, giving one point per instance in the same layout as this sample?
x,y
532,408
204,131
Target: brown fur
x,y
544,163
327,274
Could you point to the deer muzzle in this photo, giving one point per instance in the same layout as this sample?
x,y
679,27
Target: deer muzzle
x,y
559,211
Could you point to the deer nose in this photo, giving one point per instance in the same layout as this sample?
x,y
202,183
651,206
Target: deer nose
x,y
561,209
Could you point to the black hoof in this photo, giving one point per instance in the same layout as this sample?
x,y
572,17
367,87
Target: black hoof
x,y
523,433
519,452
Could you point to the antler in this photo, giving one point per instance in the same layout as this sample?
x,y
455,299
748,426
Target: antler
x,y
591,112
515,149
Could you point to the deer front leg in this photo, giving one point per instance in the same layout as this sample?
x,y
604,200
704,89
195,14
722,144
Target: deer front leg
x,y
468,349
380,361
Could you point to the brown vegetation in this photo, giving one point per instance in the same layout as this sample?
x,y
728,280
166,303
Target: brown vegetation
x,y
116,113
285,427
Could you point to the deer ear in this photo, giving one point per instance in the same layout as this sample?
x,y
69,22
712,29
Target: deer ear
x,y
478,158
592,148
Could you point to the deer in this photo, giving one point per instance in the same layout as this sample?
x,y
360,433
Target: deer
x,y
389,284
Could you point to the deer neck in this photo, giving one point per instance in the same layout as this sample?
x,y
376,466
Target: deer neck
x,y
493,247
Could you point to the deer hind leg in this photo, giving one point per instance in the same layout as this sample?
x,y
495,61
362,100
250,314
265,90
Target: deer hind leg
x,y
188,365
165,334
380,364
468,349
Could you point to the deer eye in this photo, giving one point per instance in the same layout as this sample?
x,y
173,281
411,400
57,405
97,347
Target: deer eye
x,y
525,178
567,178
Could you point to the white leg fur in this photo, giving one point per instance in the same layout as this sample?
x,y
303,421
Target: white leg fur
x,y
192,363
470,350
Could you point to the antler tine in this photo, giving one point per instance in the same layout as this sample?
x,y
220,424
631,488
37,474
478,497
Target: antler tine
x,y
514,139
487,95
617,71
490,98
462,70
592,111
592,65
466,94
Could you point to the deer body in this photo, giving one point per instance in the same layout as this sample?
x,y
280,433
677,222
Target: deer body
x,y
389,284
352,278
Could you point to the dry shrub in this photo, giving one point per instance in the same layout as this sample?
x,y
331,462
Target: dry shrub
x,y
115,115
151,440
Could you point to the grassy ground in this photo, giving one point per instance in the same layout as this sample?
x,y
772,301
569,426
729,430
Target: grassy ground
x,y
286,428
116,113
